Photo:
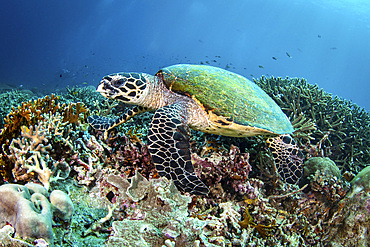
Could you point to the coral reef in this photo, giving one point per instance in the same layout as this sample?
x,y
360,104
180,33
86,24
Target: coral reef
x,y
24,133
327,125
351,225
118,199
11,99
228,172
28,210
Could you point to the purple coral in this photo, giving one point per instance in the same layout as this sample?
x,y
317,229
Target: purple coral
x,y
231,170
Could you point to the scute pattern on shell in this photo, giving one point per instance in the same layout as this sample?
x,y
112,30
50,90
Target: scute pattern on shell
x,y
227,94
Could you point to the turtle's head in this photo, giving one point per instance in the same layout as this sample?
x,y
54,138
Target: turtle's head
x,y
126,87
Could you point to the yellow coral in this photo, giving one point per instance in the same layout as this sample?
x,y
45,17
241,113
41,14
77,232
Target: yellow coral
x,y
71,112
263,230
21,119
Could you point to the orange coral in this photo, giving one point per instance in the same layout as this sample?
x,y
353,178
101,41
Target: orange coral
x,y
28,114
133,135
263,230
71,112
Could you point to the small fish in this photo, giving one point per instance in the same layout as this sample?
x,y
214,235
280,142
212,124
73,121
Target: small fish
x,y
319,36
207,62
60,75
260,66
84,83
218,56
201,63
86,66
227,66
214,61
274,58
288,54
333,48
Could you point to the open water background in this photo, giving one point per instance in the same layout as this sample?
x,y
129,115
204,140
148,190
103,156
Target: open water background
x,y
51,44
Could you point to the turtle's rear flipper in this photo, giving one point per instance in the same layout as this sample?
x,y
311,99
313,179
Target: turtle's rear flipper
x,y
168,143
288,158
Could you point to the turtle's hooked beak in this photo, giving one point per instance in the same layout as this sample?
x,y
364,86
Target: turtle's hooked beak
x,y
100,87
105,89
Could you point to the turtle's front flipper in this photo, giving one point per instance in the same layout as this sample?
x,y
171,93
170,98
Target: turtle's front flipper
x,y
105,123
168,143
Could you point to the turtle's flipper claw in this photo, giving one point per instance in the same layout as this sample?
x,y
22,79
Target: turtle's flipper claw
x,y
168,143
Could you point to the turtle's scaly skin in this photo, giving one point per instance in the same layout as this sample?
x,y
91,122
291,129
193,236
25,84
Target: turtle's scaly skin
x,y
105,123
229,95
201,97
168,144
288,158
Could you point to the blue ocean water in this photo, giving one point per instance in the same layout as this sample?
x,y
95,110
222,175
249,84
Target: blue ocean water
x,y
51,44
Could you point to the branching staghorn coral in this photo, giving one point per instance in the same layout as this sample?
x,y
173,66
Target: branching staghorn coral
x,y
30,153
29,114
316,114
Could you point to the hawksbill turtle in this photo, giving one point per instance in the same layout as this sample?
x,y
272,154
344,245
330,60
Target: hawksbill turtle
x,y
201,97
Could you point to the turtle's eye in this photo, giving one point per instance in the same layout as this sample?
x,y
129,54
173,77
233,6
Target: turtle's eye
x,y
118,83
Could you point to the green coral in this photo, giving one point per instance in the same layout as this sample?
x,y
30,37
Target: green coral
x,y
341,126
325,165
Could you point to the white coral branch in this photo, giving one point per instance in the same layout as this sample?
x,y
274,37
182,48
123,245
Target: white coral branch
x,y
40,167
